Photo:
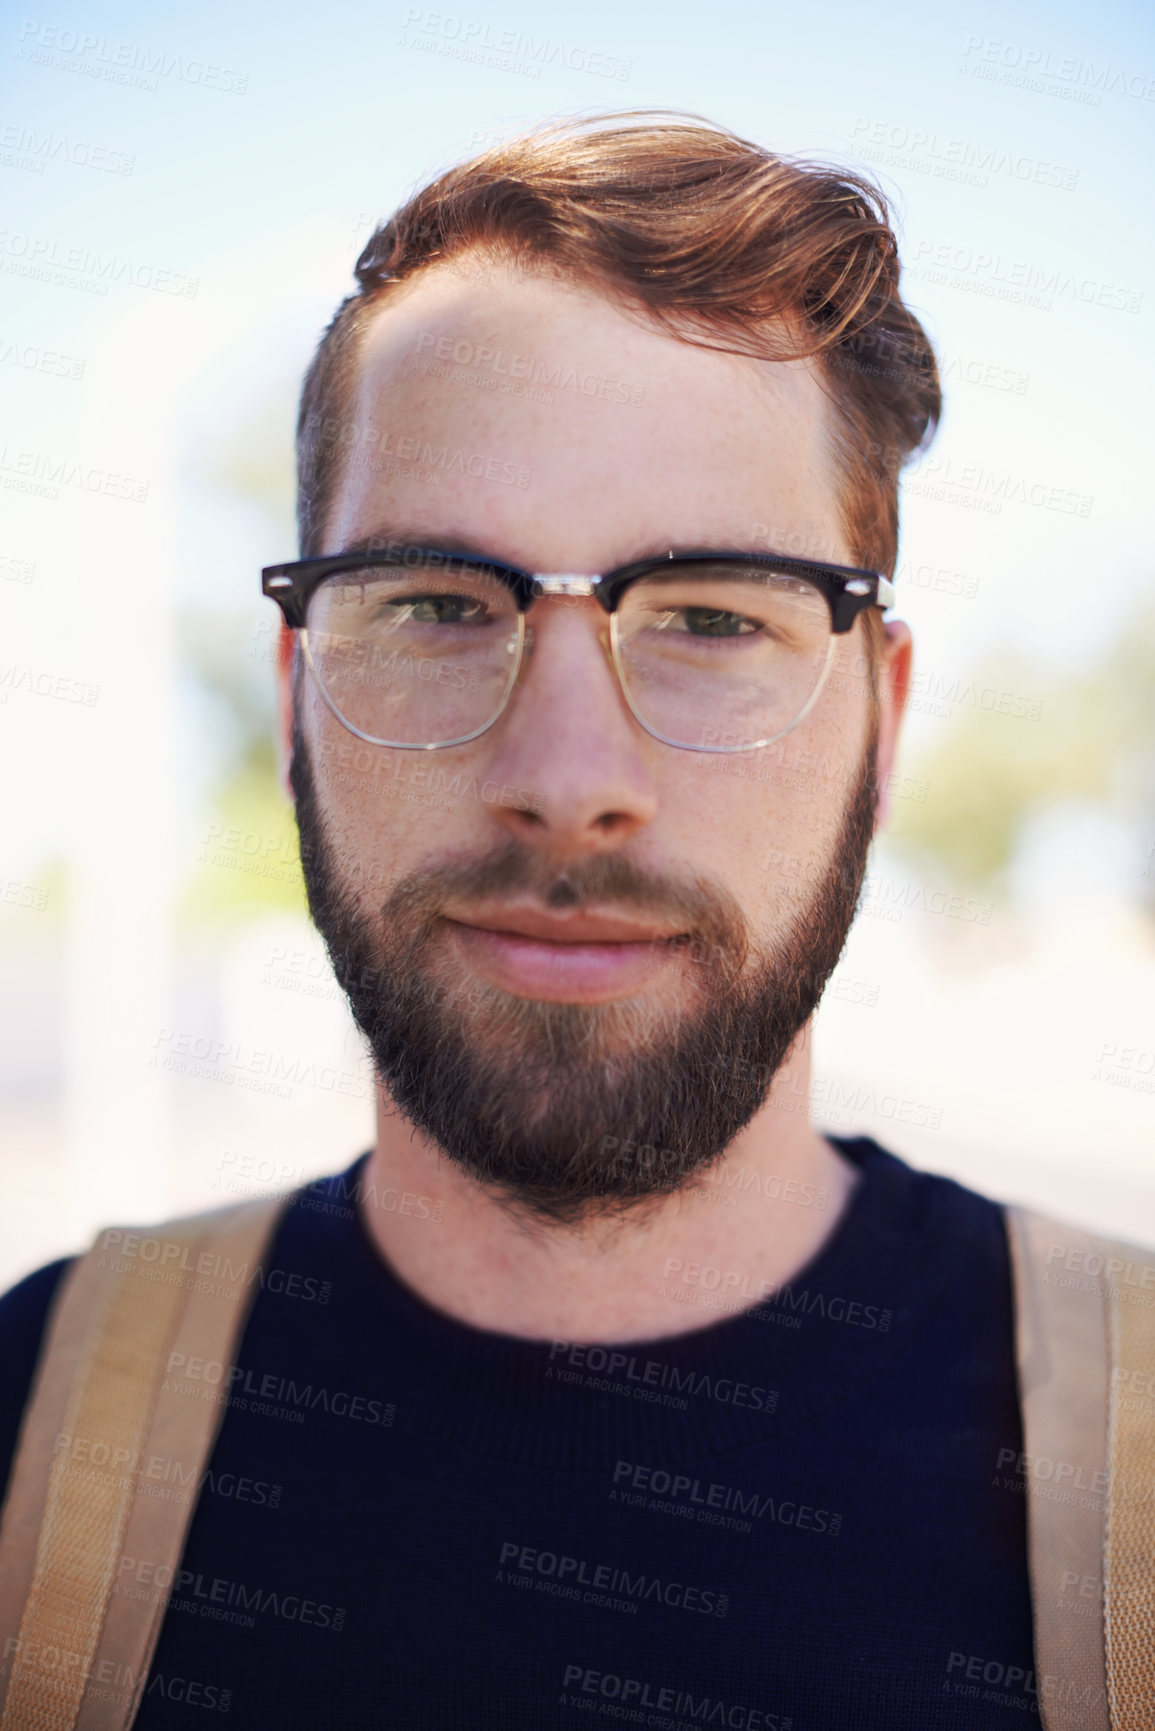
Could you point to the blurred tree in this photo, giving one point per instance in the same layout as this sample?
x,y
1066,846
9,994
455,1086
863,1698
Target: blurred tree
x,y
246,849
228,662
1094,739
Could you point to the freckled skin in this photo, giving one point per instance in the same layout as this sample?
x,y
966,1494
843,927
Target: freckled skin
x,y
718,446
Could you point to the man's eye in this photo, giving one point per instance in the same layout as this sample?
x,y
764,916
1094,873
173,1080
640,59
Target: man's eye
x,y
442,609
715,622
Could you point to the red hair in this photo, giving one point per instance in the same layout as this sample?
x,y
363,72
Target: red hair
x,y
718,240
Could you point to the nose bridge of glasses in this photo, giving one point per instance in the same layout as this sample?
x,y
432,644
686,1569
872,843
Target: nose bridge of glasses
x,y
565,583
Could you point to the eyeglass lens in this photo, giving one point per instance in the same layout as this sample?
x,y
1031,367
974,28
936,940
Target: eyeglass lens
x,y
712,655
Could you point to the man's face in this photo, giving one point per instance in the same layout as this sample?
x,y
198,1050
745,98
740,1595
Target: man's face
x,y
580,954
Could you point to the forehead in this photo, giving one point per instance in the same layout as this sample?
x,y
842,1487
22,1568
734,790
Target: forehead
x,y
549,426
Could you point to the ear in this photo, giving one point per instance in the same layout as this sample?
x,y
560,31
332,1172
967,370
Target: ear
x,y
283,673
893,689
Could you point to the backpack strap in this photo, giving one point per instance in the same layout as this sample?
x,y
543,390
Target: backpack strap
x,y
1062,1349
1129,1566
1085,1342
110,1459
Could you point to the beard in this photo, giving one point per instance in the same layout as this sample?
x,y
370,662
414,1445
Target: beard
x,y
561,1110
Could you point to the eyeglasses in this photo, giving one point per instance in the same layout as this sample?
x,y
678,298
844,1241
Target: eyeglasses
x,y
419,649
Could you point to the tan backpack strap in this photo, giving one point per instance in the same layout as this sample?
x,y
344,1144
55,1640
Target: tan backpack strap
x,y
1129,1572
1062,1346
101,1422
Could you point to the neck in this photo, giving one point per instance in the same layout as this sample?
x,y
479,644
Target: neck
x,y
672,1265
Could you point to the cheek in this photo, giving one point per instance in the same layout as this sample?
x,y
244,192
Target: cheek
x,y
767,823
764,821
356,802
385,810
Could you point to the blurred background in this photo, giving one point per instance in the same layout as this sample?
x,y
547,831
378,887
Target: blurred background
x,y
184,196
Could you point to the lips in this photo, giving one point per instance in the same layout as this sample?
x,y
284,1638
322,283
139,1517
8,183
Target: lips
x,y
581,958
580,928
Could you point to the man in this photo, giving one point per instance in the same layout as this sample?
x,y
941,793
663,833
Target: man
x,y
604,1383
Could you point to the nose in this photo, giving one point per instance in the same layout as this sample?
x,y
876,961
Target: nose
x,y
569,737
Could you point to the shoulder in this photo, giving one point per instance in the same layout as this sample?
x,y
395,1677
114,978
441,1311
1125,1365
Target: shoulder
x,y
24,1313
1073,1245
256,1227
1081,1259
922,1197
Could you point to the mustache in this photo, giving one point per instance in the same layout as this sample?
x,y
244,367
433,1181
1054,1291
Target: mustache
x,y
703,909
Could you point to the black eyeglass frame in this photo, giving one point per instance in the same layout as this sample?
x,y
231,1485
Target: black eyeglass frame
x,y
848,589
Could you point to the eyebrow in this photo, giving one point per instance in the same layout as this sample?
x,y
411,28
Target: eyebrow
x,y
388,535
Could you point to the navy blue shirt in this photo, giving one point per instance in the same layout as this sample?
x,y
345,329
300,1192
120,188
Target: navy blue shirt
x,y
795,1519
